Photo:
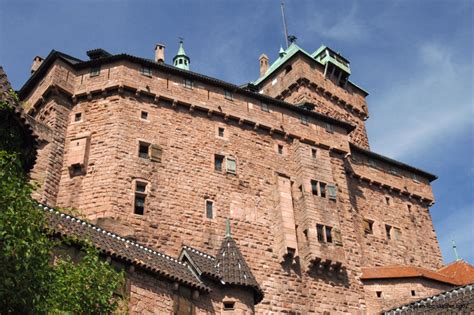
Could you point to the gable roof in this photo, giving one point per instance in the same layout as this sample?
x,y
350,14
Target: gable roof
x,y
243,90
459,270
395,272
121,248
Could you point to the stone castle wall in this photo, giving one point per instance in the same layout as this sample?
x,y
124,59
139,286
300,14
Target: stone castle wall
x,y
184,124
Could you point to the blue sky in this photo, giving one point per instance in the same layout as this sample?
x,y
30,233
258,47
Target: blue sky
x,y
415,58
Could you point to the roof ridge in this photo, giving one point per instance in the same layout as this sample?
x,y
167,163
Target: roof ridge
x,y
192,249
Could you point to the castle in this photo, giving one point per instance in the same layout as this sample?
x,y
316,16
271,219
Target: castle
x,y
219,198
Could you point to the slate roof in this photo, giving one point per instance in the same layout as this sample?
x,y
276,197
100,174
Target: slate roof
x,y
122,249
233,270
394,272
459,300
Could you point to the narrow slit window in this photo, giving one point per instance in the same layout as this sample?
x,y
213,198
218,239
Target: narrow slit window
x,y
387,200
314,187
322,190
143,150
320,232
388,231
220,132
314,153
209,209
218,161
413,293
280,149
140,195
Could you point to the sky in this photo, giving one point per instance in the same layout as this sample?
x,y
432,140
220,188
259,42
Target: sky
x,y
414,57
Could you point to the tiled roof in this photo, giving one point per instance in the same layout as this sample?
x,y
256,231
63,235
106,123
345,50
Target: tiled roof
x,y
233,269
206,264
459,300
394,272
122,249
460,271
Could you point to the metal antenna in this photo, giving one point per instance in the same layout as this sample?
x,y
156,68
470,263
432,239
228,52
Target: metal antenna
x,y
181,39
455,250
284,22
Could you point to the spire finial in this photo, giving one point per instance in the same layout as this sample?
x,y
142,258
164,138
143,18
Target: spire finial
x,y
227,228
181,60
281,53
455,250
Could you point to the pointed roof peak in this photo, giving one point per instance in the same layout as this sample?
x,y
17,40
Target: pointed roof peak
x,y
181,51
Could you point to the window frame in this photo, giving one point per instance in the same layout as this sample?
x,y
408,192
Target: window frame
x,y
146,71
189,84
221,158
228,95
206,208
142,144
94,71
142,194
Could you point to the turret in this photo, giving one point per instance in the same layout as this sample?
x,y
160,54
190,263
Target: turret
x,y
181,60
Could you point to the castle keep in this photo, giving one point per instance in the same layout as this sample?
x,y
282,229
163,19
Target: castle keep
x,y
157,158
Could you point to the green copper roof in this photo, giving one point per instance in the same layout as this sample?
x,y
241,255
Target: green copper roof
x,y
325,54
284,56
181,60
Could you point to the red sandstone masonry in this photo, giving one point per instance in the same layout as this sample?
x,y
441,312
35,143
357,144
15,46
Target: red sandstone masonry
x,y
183,123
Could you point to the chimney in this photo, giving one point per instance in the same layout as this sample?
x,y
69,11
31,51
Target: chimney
x,y
160,53
263,64
37,61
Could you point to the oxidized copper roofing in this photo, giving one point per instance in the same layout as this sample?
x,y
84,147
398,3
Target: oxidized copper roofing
x,y
122,249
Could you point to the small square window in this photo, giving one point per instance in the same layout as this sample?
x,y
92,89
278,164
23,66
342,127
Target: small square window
x,y
78,117
264,107
303,119
188,83
379,294
229,306
328,234
144,115
220,132
76,170
280,149
218,161
95,71
314,153
413,293
319,232
144,149
209,209
228,95
146,71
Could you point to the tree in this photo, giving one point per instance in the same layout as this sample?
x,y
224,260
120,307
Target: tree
x,y
29,282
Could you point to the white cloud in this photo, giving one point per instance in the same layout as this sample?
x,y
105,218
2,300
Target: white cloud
x,y
432,103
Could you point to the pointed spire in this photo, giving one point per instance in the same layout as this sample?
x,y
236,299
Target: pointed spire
x,y
455,250
281,53
181,60
227,228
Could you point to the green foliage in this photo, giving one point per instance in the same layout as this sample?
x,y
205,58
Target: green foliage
x,y
29,282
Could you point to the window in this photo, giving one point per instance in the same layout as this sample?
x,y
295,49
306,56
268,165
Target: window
x,y
304,119
76,170
220,132
229,306
143,150
387,200
409,208
188,83
329,128
328,234
144,115
379,294
368,226
78,117
372,163
228,95
332,192
95,71
264,107
218,161
288,69
322,190
319,232
140,194
388,231
314,187
413,293
230,165
280,149
415,178
396,233
209,209
146,71
305,233
314,153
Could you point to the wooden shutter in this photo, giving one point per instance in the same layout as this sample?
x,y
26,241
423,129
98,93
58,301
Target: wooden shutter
x,y
155,153
332,191
230,165
337,237
396,234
